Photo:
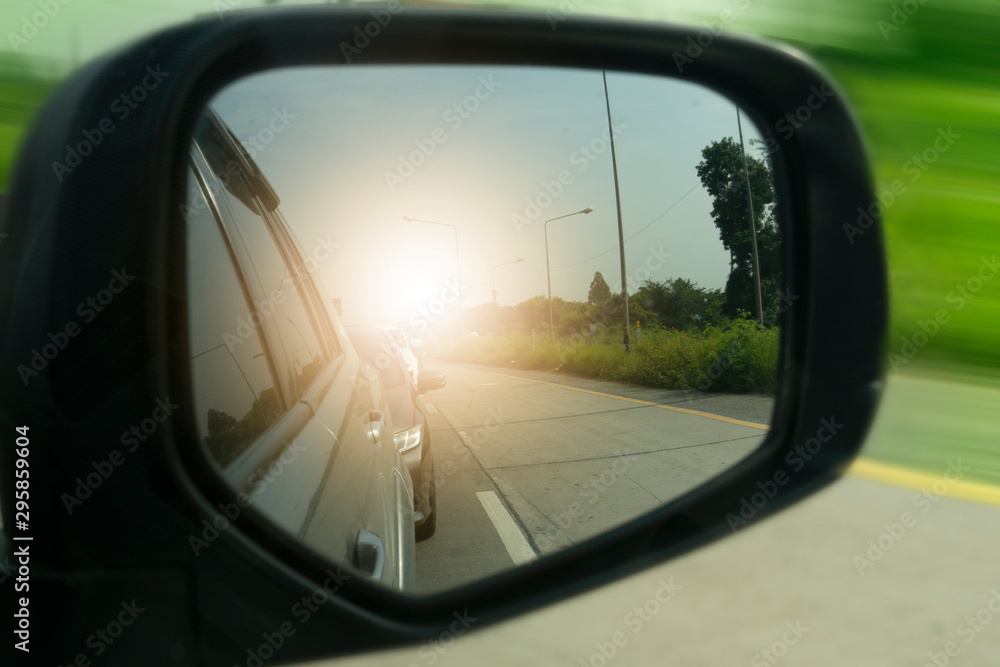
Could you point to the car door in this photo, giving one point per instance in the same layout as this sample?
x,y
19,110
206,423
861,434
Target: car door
x,y
310,463
384,526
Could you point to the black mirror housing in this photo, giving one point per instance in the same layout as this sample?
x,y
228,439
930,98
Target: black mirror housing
x,y
116,215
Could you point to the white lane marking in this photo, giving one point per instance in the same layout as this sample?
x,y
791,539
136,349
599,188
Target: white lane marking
x,y
518,548
489,384
430,408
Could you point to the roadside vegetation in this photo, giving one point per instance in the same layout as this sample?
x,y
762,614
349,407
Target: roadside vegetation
x,y
736,357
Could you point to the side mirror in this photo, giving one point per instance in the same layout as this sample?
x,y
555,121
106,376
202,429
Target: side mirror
x,y
125,482
429,381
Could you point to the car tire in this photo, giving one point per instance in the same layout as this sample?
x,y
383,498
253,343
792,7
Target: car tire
x,y
427,528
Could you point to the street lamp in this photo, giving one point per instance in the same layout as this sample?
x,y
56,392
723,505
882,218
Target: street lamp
x,y
495,330
548,274
458,275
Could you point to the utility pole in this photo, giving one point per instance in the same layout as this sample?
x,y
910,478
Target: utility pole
x,y
753,224
618,203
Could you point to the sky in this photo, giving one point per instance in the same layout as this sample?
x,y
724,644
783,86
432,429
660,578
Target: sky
x,y
493,151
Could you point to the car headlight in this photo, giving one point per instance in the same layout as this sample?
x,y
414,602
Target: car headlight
x,y
408,439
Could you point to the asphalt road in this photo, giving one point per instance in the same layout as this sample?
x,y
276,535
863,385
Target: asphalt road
x,y
530,462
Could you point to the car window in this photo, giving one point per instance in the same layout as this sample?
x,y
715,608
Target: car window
x,y
279,296
234,389
313,293
376,351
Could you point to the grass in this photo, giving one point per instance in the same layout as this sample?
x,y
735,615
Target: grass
x,y
20,100
737,358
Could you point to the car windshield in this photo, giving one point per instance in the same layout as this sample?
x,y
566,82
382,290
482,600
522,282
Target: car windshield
x,y
377,352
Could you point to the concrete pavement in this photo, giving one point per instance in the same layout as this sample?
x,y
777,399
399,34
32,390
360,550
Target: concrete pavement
x,y
565,458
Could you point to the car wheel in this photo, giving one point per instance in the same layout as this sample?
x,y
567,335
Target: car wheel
x,y
427,528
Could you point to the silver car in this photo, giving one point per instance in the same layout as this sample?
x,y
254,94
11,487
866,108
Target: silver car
x,y
287,411
412,436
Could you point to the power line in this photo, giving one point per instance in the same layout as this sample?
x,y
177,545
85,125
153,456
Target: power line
x,y
615,247
538,279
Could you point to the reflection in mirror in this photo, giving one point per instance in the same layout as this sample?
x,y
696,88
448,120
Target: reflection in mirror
x,y
410,341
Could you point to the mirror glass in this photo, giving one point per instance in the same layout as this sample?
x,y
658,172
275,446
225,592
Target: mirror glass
x,y
409,343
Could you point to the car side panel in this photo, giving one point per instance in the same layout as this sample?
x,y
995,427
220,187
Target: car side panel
x,y
359,489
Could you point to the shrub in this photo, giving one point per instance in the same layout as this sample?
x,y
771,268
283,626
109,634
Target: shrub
x,y
738,357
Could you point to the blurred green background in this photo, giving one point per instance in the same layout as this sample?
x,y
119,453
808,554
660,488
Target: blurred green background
x,y
910,69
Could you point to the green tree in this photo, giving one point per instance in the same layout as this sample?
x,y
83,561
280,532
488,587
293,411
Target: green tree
x,y
599,290
721,172
680,304
612,313
532,314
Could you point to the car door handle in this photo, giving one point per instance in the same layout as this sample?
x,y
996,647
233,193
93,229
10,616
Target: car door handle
x,y
369,554
377,418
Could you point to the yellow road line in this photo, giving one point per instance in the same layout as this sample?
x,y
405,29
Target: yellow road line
x,y
919,480
886,473
699,413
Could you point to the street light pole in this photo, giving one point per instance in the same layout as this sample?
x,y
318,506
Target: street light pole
x,y
496,331
548,273
458,274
